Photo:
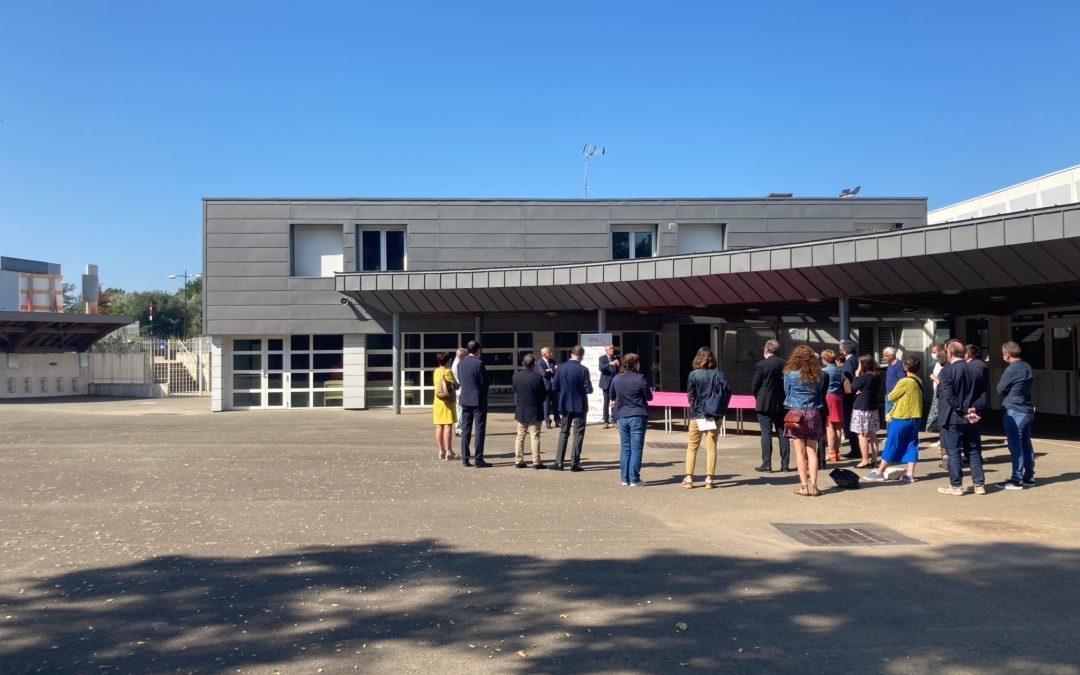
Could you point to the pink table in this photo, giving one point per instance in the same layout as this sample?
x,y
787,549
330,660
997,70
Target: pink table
x,y
677,399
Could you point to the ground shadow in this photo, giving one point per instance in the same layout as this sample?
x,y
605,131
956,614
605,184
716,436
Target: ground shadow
x,y
818,610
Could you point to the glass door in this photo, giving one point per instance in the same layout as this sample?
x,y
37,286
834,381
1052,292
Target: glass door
x,y
1064,379
258,373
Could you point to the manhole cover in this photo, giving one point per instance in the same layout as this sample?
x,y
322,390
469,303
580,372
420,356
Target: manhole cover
x,y
857,534
667,446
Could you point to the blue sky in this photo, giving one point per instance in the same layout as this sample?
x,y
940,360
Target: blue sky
x,y
118,117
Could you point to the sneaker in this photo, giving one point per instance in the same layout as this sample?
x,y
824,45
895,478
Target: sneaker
x,y
688,482
625,484
1028,482
1009,485
936,445
874,476
907,478
950,490
980,489
637,483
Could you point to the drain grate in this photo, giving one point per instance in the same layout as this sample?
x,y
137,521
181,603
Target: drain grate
x,y
857,534
666,446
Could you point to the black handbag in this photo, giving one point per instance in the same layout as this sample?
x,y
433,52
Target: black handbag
x,y
845,478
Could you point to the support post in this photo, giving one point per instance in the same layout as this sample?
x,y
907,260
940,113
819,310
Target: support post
x,y
845,318
601,320
478,327
397,363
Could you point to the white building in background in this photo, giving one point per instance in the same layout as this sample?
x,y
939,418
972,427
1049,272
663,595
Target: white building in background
x,y
1053,189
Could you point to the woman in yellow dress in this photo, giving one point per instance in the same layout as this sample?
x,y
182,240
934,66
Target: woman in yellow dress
x,y
442,409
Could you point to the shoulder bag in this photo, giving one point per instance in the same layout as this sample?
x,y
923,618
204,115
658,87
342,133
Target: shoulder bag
x,y
443,392
796,419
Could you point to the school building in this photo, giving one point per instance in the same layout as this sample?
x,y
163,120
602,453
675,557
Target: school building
x,y
345,302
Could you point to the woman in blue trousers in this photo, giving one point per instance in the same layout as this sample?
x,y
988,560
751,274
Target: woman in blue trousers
x,y
631,394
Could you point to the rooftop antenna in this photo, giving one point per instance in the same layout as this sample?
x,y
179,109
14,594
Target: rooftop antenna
x,y
589,151
847,193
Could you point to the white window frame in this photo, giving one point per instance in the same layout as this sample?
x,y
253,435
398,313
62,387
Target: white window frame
x,y
632,228
382,230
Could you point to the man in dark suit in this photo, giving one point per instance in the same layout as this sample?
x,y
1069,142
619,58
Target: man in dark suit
x,y
962,397
530,397
548,366
573,386
609,368
473,397
974,361
850,351
768,388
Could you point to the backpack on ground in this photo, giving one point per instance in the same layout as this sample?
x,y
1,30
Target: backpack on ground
x,y
845,478
716,403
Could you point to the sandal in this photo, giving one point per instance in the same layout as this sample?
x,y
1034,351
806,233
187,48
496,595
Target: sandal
x,y
709,483
688,482
450,456
864,465
802,491
813,490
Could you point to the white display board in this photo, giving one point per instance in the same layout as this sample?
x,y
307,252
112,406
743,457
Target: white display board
x,y
594,344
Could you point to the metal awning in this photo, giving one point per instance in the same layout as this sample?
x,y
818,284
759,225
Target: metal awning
x,y
44,332
985,265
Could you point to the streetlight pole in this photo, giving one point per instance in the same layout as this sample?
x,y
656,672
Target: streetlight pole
x,y
187,296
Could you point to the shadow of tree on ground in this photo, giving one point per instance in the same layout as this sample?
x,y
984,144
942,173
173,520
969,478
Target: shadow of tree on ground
x,y
978,607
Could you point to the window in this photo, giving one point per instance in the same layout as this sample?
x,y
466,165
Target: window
x,y
317,250
875,228
1031,339
633,241
872,340
382,249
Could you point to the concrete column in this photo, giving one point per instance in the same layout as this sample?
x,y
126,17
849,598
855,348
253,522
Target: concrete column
x,y
397,363
845,318
601,320
478,328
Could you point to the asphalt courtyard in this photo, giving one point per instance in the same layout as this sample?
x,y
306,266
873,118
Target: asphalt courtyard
x,y
154,536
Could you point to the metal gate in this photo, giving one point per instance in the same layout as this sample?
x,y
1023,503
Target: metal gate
x,y
182,366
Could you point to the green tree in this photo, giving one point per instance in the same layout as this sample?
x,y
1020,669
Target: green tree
x,y
73,302
176,314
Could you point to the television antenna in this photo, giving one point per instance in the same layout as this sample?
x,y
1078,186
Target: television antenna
x,y
589,151
847,193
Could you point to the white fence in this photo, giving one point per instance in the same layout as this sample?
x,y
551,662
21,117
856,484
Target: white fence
x,y
182,367
112,368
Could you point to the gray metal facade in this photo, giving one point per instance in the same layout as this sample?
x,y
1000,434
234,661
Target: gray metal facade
x,y
248,255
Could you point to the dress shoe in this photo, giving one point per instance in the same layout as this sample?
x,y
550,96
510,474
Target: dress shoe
x,y
520,465
466,463
539,465
764,468
786,468
855,454
480,464
556,467
576,467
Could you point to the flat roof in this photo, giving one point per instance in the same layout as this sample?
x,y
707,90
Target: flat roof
x,y
548,200
47,332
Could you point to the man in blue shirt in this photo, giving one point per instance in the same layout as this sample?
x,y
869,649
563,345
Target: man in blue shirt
x,y
894,372
1014,387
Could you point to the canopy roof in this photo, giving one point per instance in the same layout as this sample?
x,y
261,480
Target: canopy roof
x,y
986,265
43,332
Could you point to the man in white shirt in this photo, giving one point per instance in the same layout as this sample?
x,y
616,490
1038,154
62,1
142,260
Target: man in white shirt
x,y
461,353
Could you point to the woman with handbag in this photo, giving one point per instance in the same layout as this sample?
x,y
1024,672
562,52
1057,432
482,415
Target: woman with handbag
x,y
442,407
804,387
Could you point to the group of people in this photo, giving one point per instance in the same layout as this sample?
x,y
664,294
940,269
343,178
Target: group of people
x,y
545,392
809,401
